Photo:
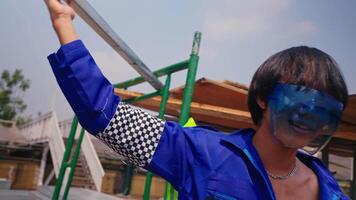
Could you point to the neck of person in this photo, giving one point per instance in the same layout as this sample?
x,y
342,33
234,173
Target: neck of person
x,y
277,159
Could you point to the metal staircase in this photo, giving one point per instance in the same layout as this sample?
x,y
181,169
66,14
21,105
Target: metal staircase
x,y
89,171
82,177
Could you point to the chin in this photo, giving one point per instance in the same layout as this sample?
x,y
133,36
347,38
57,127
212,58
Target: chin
x,y
290,142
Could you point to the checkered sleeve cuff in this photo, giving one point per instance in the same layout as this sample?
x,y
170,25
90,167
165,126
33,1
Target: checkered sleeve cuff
x,y
133,134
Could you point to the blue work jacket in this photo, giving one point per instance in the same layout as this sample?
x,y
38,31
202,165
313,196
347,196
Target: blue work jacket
x,y
200,162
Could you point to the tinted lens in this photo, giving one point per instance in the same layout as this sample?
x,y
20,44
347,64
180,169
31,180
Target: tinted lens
x,y
306,108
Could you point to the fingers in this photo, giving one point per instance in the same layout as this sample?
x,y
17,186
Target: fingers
x,y
53,3
49,2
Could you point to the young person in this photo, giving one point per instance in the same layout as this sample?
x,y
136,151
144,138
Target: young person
x,y
296,98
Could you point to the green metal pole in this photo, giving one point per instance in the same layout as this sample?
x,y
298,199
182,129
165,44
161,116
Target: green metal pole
x,y
167,192
147,191
159,73
188,92
129,169
128,178
165,95
73,164
190,81
143,97
66,156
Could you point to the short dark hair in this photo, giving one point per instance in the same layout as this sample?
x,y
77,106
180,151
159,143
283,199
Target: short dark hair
x,y
302,65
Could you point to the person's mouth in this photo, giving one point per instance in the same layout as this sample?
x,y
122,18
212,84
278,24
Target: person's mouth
x,y
300,128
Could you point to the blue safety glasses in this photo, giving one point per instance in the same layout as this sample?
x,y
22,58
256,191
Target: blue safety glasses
x,y
303,117
306,108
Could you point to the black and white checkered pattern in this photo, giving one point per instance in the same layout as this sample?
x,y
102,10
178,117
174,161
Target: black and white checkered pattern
x,y
133,133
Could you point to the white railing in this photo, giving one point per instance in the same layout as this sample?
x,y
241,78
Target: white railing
x,y
45,129
33,131
96,169
65,127
56,144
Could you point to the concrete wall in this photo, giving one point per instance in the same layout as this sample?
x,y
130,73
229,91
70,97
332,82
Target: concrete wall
x,y
23,174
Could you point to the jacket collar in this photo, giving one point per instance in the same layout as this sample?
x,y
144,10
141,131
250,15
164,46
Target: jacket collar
x,y
327,184
242,139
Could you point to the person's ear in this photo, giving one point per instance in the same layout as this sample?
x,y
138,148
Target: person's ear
x,y
261,103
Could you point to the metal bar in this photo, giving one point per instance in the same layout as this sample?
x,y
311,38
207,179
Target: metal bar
x,y
165,95
143,97
73,164
49,177
161,72
175,195
190,81
129,168
148,183
188,92
167,192
43,164
95,21
128,179
66,156
162,110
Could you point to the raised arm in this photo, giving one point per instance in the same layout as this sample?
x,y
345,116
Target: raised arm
x,y
89,93
62,16
144,140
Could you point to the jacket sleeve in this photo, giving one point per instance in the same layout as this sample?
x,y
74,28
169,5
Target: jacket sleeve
x,y
142,139
88,92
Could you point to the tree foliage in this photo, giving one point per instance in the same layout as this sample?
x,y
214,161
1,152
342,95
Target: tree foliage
x,y
12,89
